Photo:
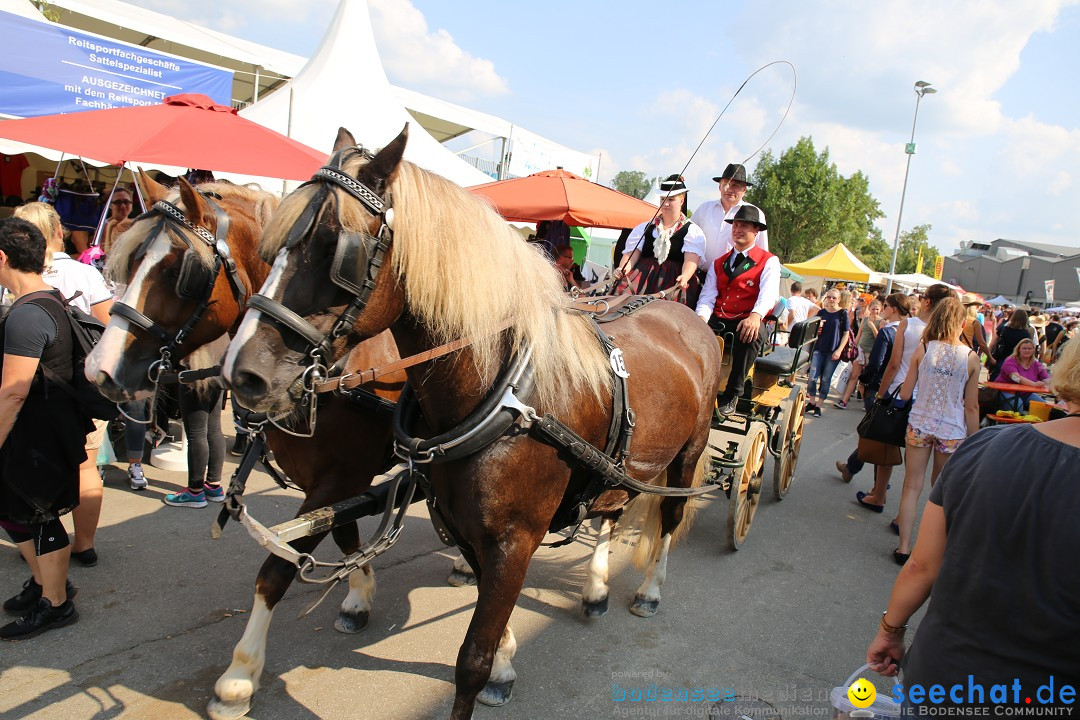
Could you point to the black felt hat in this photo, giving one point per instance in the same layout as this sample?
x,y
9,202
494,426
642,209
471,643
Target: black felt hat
x,y
734,171
750,214
673,185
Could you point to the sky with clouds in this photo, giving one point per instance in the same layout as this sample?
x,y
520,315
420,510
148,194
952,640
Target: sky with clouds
x,y
998,145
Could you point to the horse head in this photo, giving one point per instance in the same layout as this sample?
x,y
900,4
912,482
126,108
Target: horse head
x,y
327,290
188,263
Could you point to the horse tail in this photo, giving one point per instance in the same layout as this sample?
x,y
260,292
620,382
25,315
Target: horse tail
x,y
643,517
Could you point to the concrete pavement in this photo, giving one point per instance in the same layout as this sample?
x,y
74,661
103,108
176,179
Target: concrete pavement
x,y
785,619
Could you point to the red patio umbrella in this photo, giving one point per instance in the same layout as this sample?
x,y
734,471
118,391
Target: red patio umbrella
x,y
185,130
561,195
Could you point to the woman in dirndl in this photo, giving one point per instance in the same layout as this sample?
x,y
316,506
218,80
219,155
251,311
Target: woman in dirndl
x,y
667,250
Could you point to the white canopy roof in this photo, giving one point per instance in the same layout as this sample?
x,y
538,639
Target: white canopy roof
x,y
344,85
917,280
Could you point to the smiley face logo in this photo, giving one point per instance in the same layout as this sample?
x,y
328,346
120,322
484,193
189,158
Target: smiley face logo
x,y
862,693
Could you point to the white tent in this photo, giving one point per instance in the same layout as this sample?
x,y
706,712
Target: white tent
x,y
917,280
344,85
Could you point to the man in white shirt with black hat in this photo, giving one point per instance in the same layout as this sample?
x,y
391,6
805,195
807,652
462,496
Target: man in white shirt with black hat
x,y
740,290
714,216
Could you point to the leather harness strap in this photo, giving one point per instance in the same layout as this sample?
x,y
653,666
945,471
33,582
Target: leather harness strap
x,y
362,377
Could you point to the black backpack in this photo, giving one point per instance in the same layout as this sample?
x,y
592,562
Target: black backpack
x,y
86,330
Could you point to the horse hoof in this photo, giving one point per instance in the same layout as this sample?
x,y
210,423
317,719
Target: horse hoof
x,y
351,623
219,710
644,608
595,609
460,579
496,694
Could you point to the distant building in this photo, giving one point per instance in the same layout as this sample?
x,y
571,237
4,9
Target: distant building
x,y
1016,270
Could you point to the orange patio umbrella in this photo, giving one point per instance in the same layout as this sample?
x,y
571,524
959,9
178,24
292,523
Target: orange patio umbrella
x,y
561,195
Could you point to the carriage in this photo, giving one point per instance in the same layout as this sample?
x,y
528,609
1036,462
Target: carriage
x,y
768,418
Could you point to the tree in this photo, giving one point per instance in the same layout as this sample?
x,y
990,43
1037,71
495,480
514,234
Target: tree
x,y
907,254
632,182
810,207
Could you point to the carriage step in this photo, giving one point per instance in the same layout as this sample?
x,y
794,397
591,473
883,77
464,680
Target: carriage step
x,y
372,502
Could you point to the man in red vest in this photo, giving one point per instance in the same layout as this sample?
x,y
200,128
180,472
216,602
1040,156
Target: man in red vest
x,y
741,288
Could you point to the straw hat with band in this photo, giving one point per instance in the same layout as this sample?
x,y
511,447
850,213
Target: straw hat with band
x,y
970,298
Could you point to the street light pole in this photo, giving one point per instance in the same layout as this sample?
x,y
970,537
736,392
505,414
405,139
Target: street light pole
x,y
921,88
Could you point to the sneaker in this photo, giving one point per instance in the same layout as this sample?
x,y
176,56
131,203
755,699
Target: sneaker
x,y
186,499
840,404
136,479
214,493
240,445
30,594
845,474
727,407
42,616
817,411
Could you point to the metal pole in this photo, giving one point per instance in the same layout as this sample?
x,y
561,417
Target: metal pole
x,y
900,215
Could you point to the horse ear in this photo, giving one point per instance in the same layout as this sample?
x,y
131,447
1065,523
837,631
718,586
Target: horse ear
x,y
150,189
195,208
380,172
344,140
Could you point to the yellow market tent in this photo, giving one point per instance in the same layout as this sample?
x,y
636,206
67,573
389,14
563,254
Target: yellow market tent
x,y
836,263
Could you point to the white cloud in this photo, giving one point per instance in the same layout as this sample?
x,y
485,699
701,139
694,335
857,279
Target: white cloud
x,y
418,58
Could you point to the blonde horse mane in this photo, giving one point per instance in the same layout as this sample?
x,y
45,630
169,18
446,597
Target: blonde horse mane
x,y
262,205
465,273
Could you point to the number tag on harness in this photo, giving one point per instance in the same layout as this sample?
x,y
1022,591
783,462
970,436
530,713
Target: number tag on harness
x,y
617,364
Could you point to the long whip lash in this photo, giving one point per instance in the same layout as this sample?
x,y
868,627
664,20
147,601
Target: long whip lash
x,y
791,100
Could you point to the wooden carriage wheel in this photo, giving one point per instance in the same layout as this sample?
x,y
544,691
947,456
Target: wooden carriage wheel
x,y
792,427
746,486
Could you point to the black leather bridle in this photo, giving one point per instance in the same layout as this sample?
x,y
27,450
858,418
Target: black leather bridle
x,y
196,281
353,250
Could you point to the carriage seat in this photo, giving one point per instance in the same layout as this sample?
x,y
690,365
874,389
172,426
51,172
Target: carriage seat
x,y
784,361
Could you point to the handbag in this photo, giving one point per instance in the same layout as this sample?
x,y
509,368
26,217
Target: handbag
x,y
851,351
884,422
879,453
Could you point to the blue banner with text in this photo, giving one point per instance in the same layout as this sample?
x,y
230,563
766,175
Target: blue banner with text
x,y
47,69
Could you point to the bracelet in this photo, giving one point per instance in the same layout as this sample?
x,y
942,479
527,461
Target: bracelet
x,y
891,629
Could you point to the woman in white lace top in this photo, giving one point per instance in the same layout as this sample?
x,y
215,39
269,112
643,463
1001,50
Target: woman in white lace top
x,y
945,411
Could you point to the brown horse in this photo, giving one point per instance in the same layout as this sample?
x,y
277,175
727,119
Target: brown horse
x,y
428,260
152,259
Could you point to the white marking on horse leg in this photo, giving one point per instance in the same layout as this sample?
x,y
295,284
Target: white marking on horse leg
x,y
501,669
462,573
354,610
656,573
240,681
596,587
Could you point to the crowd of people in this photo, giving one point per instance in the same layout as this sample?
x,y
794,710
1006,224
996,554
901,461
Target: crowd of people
x,y
59,465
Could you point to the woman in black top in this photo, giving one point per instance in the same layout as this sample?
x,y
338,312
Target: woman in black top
x,y
667,249
993,557
1008,335
42,434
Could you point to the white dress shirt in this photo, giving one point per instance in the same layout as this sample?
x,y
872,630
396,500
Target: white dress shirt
x,y
768,290
711,218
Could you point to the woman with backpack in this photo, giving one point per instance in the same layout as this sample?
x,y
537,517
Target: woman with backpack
x,y
1009,334
84,287
42,433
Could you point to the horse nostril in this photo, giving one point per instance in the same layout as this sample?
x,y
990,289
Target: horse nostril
x,y
249,387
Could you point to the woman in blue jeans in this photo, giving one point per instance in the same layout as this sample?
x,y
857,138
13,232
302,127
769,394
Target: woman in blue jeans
x,y
830,342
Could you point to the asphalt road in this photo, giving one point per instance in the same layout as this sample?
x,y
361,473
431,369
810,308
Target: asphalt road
x,y
784,619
